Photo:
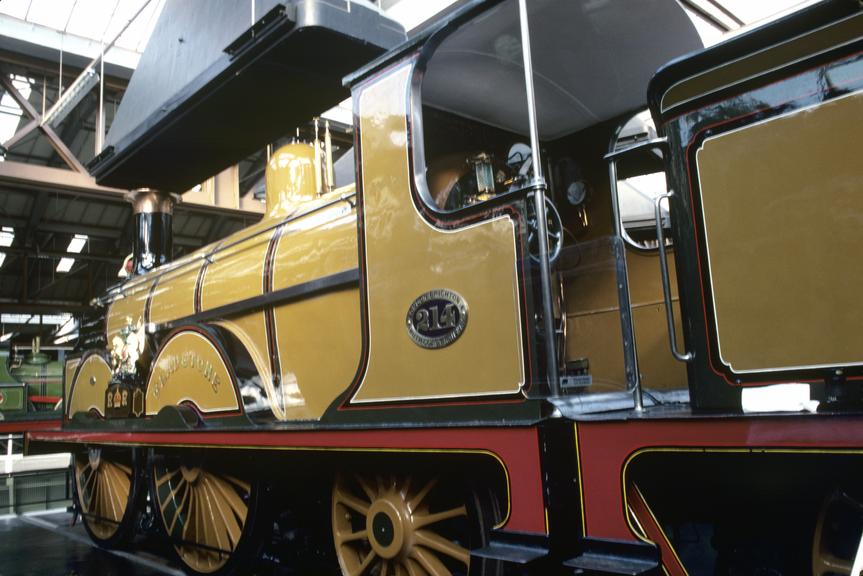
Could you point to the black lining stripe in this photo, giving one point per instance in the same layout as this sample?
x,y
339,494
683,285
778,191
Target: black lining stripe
x,y
199,281
149,304
269,312
333,282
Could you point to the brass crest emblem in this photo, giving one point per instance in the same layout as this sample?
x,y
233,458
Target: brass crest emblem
x,y
437,318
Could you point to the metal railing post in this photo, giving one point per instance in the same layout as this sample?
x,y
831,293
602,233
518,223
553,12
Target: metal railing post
x,y
538,185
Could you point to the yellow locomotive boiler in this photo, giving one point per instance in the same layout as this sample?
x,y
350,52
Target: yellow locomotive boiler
x,y
542,329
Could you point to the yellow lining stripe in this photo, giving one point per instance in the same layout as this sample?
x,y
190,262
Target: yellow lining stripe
x,y
580,477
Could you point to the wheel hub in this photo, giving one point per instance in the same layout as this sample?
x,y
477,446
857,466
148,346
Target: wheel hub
x,y
94,457
383,529
190,474
389,526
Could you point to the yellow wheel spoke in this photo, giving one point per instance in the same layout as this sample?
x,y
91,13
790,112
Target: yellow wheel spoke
x,y
104,486
209,532
165,477
421,520
413,569
189,516
407,485
119,486
178,510
370,492
228,531
172,494
430,562
231,497
243,485
414,530
420,496
353,503
229,521
366,563
110,499
834,564
213,511
345,537
439,544
86,491
103,502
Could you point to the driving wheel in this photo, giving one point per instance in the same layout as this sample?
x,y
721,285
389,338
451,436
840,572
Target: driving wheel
x,y
107,488
401,525
211,517
837,535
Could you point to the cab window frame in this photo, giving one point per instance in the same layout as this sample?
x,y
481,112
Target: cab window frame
x,y
417,130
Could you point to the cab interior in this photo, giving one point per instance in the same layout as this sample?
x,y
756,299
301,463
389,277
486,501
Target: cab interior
x,y
591,64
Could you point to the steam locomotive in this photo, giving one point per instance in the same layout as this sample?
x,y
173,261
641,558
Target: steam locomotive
x,y
538,331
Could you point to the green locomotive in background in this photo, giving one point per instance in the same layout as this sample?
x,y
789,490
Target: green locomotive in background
x,y
29,383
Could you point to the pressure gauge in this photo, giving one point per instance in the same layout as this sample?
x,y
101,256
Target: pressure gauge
x,y
576,192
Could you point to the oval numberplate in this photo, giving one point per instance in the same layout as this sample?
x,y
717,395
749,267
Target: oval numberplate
x,y
437,318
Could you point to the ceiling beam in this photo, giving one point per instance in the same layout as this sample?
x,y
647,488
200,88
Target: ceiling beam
x,y
60,278
58,144
40,204
26,177
22,133
54,255
50,43
11,306
33,177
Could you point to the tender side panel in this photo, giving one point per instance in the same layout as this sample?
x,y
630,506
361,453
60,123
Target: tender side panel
x,y
606,449
744,69
782,210
406,257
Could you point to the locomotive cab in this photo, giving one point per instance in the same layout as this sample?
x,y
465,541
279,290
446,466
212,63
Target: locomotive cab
x,y
472,161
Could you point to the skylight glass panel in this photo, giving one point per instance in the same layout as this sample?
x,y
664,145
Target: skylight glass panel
x,y
15,318
65,264
750,12
90,18
77,243
33,318
7,236
50,13
135,37
10,112
14,8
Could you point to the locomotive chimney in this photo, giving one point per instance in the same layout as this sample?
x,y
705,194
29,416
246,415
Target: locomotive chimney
x,y
153,238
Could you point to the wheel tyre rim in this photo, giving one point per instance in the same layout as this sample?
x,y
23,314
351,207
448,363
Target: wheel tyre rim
x,y
824,560
387,526
203,513
103,487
